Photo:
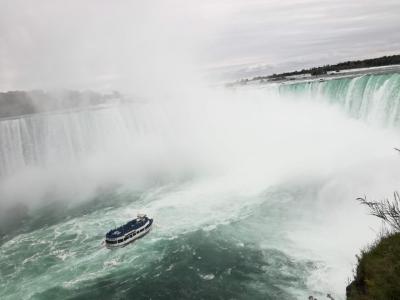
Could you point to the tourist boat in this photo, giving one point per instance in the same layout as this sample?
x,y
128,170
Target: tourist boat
x,y
129,232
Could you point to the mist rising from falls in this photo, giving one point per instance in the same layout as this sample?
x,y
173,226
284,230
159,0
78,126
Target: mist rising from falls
x,y
73,153
263,133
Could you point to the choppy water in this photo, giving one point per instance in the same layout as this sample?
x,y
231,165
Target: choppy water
x,y
254,200
245,255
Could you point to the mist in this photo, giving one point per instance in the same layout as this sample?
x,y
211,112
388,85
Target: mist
x,y
255,137
137,47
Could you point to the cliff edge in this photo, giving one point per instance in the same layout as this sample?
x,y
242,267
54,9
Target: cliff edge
x,y
378,271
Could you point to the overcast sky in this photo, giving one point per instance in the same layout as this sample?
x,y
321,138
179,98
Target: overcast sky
x,y
131,45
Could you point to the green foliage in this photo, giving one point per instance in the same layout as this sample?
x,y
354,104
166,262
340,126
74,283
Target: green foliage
x,y
378,268
378,271
387,210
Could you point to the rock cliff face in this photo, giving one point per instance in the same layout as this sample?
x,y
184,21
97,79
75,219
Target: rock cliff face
x,y
378,271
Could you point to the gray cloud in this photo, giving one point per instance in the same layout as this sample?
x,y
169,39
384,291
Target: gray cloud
x,y
135,45
297,34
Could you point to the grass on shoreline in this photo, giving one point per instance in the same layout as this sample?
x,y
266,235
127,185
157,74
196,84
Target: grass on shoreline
x,y
378,271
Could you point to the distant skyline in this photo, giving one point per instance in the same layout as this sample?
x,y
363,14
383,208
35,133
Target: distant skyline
x,y
131,45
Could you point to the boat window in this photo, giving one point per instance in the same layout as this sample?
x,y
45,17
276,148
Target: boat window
x,y
111,242
120,241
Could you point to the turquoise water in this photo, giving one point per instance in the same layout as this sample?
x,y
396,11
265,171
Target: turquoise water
x,y
62,257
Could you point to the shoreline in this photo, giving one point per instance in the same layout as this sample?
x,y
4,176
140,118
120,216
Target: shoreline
x,y
351,73
381,65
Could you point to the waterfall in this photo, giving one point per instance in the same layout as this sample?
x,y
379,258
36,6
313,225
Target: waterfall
x,y
373,98
51,138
